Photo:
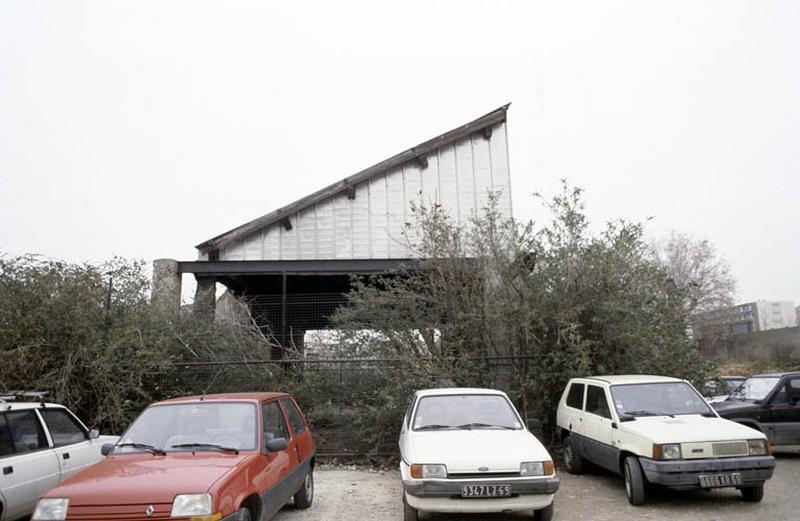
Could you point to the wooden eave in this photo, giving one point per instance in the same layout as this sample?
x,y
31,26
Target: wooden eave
x,y
346,185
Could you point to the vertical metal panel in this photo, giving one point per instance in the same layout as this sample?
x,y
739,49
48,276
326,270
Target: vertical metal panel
x,y
466,180
252,246
482,166
272,242
307,233
232,251
395,204
361,222
289,249
501,179
325,236
429,181
448,181
412,178
343,225
378,216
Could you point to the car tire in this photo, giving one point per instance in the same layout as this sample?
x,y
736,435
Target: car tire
x,y
545,514
243,514
572,460
305,495
753,494
634,481
409,513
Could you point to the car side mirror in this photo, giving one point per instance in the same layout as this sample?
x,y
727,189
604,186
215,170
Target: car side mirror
x,y
533,424
94,434
276,444
107,449
795,399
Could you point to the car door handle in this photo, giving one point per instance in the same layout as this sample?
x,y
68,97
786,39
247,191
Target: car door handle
x,y
8,470
65,455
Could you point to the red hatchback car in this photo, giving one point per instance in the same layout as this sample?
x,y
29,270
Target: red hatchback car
x,y
230,457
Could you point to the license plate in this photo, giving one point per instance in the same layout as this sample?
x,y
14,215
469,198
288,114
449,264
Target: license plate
x,y
485,490
720,480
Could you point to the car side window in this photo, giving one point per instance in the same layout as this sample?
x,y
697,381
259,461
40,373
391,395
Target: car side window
x,y
26,431
575,396
408,411
273,422
6,447
295,419
596,402
64,429
793,390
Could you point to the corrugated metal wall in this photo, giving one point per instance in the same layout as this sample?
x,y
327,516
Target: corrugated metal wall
x,y
459,176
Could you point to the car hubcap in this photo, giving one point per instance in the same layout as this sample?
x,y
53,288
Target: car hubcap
x,y
568,457
309,487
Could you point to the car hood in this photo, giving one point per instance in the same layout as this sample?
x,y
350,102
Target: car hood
x,y
147,478
688,429
728,406
469,450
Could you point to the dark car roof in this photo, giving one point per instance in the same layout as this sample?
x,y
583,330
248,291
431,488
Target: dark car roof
x,y
225,397
779,375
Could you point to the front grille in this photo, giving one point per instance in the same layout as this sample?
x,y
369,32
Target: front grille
x,y
134,512
484,475
729,448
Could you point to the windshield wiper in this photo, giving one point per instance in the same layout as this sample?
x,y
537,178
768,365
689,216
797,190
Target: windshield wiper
x,y
205,446
143,446
648,413
433,426
469,426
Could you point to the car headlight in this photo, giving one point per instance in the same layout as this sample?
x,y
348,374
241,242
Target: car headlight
x,y
428,471
531,468
186,505
758,447
667,451
51,509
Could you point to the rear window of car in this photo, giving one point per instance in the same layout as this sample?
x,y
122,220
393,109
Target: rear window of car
x,y
295,420
575,396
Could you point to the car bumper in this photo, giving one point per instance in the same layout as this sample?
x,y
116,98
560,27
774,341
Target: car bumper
x,y
445,495
684,474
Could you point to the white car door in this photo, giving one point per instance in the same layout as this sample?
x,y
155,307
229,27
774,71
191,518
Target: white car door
x,y
597,423
29,466
70,440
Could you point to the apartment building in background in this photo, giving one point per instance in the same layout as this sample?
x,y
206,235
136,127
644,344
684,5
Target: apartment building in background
x,y
762,315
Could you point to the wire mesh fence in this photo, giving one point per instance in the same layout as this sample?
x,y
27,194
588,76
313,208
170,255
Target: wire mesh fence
x,y
354,405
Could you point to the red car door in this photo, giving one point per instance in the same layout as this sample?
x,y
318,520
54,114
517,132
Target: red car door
x,y
275,482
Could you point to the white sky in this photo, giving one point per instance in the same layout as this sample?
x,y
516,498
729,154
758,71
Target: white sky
x,y
142,128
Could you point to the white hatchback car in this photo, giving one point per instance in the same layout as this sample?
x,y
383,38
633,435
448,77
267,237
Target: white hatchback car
x,y
659,430
468,450
41,444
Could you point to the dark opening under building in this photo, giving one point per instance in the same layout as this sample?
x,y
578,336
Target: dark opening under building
x,y
293,265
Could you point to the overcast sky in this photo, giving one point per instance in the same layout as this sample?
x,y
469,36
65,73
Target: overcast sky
x,y
143,128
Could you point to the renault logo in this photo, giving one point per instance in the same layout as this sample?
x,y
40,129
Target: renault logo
x,y
483,469
149,511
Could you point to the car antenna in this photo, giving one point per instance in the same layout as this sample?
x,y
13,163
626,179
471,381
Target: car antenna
x,y
203,396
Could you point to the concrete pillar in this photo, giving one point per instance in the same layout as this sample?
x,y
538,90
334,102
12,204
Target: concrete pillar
x,y
205,297
166,294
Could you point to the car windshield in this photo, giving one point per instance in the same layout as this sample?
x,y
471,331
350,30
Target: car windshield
x,y
465,411
756,388
658,399
199,426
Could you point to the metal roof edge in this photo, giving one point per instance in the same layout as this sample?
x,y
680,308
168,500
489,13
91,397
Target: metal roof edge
x,y
496,116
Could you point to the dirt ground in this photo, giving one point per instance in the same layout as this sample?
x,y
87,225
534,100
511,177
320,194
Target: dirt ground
x,y
366,495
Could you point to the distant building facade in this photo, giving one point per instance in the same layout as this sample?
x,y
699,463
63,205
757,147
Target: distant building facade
x,y
762,315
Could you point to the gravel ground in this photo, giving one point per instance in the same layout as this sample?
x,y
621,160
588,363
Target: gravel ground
x,y
375,496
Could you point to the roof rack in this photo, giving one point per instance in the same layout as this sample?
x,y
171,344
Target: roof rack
x,y
11,396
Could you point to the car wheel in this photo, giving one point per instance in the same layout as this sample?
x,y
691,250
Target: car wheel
x,y
243,514
409,513
305,495
545,514
572,460
634,481
753,494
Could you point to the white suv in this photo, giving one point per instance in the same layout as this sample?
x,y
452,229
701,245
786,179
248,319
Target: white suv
x,y
41,444
654,429
468,450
